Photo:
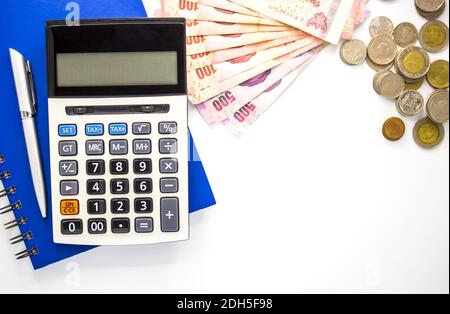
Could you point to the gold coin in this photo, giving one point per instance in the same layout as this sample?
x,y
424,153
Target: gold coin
x,y
394,129
353,52
438,106
438,74
413,63
414,85
428,134
406,34
381,26
382,50
434,36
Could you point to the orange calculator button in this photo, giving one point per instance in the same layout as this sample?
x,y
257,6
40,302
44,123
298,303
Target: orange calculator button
x,y
70,207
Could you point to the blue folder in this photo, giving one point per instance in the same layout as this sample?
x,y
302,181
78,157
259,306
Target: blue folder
x,y
22,28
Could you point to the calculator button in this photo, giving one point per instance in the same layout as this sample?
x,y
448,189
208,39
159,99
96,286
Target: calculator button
x,y
96,187
143,186
68,168
95,148
120,206
68,188
143,225
71,227
120,186
96,206
118,166
142,147
68,148
67,130
142,166
170,215
118,147
143,205
168,146
70,207
142,128
168,128
120,225
95,129
118,129
97,226
169,185
168,165
95,167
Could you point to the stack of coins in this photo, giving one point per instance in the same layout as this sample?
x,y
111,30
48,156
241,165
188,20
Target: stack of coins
x,y
430,9
412,66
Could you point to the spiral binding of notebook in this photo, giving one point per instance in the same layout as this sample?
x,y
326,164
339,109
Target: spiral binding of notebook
x,y
5,192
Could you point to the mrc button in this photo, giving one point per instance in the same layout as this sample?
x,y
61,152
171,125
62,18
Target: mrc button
x,y
70,207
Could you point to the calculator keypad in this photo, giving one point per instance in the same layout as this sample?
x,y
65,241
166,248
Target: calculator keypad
x,y
117,161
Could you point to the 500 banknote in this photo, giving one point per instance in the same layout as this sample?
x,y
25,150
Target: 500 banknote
x,y
222,106
321,18
214,74
241,120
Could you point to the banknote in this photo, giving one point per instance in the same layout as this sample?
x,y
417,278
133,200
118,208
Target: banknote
x,y
240,121
220,107
200,96
359,13
197,28
196,11
202,44
350,24
229,6
201,60
321,18
214,74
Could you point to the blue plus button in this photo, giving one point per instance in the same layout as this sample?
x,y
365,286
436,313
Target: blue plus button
x,y
67,130
118,129
94,129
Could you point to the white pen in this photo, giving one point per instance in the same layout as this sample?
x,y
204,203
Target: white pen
x,y
27,105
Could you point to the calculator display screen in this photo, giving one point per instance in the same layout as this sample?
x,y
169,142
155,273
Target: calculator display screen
x,y
117,69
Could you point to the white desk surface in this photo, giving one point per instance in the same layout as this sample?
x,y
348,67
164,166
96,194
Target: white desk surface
x,y
313,199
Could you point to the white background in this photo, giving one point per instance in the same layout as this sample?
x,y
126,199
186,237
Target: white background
x,y
313,199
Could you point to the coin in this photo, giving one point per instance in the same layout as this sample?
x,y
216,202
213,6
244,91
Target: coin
x,y
410,103
381,26
406,34
377,80
437,106
378,67
430,9
428,134
438,74
394,129
382,50
413,63
414,85
353,52
433,36
391,85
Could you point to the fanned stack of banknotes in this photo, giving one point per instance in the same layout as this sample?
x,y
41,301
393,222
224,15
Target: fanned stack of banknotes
x,y
244,54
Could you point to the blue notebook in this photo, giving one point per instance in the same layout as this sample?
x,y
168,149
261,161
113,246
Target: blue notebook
x,y
22,28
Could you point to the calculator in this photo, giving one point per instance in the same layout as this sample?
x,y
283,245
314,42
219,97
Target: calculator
x,y
118,131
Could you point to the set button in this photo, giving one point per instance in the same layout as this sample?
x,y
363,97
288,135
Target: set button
x,y
67,130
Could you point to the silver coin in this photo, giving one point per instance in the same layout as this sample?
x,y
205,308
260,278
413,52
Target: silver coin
x,y
410,103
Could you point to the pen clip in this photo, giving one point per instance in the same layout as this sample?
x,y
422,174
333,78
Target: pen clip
x,y
32,90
